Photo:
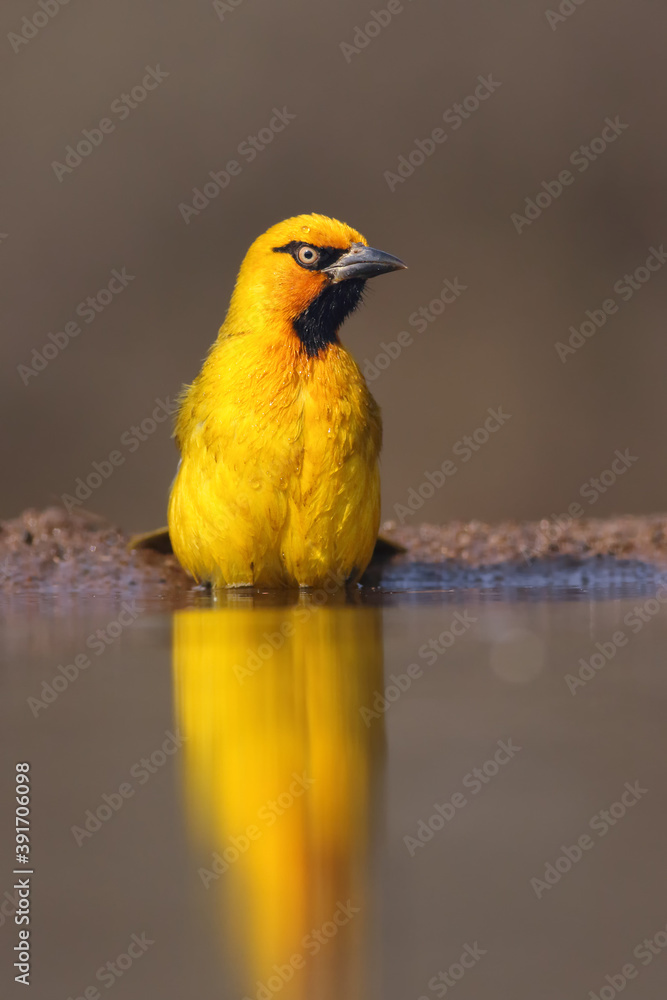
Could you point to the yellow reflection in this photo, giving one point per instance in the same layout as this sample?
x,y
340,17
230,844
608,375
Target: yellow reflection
x,y
280,772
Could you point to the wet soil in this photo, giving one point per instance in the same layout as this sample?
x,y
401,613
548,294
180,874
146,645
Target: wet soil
x,y
52,551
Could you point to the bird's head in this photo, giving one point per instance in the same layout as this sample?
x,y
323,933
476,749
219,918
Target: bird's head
x,y
308,272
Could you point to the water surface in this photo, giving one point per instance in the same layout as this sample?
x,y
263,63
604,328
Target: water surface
x,y
387,795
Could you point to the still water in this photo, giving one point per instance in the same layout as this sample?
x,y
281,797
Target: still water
x,y
407,795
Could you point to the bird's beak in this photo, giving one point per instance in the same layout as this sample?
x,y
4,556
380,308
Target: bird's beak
x,y
362,262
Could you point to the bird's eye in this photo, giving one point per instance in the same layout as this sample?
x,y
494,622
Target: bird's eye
x,y
307,256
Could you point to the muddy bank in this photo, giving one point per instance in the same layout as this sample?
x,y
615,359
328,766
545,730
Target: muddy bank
x,y
51,551
475,544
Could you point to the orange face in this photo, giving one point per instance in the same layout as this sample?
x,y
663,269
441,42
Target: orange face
x,y
308,271
291,256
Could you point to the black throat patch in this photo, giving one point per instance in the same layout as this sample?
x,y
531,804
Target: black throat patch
x,y
317,326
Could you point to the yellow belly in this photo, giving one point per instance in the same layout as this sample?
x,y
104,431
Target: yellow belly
x,y
278,484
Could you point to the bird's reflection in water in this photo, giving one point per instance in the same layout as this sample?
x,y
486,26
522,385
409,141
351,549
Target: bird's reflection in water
x,y
282,781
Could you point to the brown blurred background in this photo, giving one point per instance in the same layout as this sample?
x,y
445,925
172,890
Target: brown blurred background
x,y
494,347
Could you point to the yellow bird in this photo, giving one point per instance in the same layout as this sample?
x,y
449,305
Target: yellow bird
x,y
278,483
252,723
